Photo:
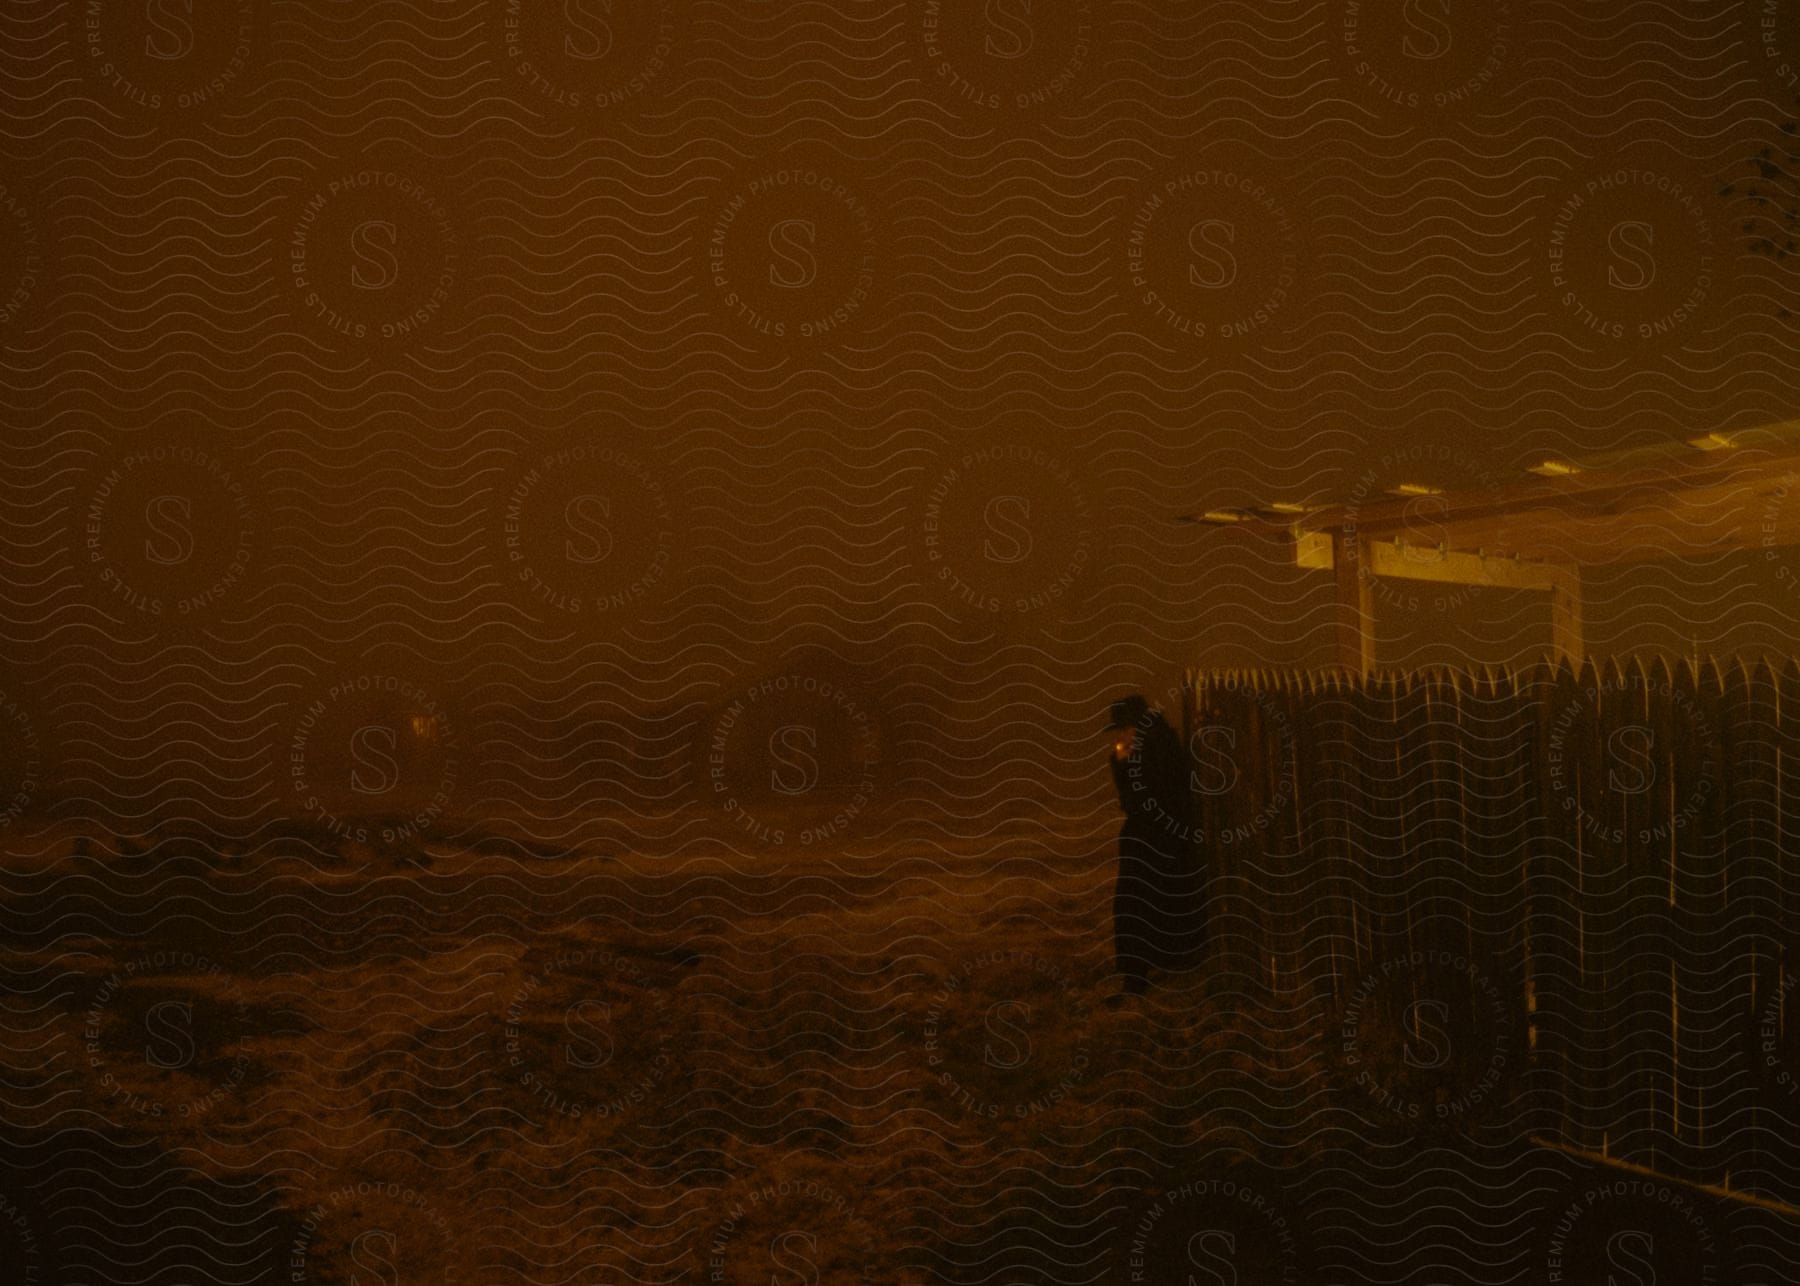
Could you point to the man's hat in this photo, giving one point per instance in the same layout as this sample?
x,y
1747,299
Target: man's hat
x,y
1128,712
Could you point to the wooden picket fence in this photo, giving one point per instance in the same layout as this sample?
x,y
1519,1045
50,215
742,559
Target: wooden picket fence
x,y
1617,847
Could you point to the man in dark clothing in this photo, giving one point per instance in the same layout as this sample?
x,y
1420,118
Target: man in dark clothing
x,y
1158,900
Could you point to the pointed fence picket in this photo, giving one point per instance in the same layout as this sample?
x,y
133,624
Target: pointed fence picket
x,y
1613,839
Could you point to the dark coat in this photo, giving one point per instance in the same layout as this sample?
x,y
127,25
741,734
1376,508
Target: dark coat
x,y
1159,899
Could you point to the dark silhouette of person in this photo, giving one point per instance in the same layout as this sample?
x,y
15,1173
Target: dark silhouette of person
x,y
1158,899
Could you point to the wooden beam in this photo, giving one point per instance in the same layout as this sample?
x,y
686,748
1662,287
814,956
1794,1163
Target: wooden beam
x,y
1605,493
1455,567
1566,617
1710,1189
1353,624
1722,501
1317,551
1354,562
1312,550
